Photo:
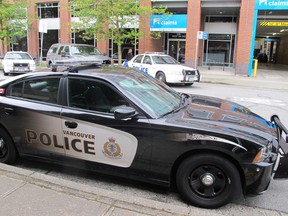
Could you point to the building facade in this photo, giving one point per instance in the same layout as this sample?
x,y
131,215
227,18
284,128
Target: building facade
x,y
200,32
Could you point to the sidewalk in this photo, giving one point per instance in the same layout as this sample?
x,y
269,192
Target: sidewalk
x,y
267,76
29,193
24,192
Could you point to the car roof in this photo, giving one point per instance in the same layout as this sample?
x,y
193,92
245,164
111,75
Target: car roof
x,y
95,71
69,44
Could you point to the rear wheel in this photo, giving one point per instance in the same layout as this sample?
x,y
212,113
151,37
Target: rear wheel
x,y
208,181
8,152
161,77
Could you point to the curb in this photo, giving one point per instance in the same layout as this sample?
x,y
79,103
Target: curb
x,y
115,199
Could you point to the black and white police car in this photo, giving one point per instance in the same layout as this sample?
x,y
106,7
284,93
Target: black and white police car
x,y
165,68
122,122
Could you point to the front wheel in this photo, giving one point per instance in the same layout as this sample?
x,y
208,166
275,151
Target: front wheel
x,y
8,152
208,181
161,77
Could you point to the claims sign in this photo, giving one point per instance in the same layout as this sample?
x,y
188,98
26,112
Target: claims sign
x,y
276,24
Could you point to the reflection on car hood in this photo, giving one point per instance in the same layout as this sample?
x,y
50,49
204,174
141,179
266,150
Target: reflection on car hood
x,y
223,116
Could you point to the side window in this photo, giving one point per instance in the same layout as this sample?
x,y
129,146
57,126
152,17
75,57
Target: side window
x,y
138,59
45,90
93,95
147,60
66,49
60,50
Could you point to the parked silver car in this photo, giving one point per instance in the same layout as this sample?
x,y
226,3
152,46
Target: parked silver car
x,y
68,55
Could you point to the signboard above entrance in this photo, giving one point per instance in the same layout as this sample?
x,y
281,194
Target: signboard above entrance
x,y
271,4
173,23
273,23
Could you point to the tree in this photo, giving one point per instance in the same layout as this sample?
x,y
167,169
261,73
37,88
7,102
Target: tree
x,y
13,20
110,19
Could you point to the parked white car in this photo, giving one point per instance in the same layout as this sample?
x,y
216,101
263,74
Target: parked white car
x,y
164,68
18,62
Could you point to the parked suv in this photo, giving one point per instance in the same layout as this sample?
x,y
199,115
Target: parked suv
x,y
68,55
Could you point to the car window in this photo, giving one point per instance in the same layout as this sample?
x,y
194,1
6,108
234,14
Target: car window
x,y
147,60
60,50
153,97
88,50
18,56
164,60
138,59
66,49
53,49
44,89
93,95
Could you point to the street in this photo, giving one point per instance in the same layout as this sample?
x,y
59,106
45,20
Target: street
x,y
262,101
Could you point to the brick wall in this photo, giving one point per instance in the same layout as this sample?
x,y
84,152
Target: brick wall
x,y
244,37
193,26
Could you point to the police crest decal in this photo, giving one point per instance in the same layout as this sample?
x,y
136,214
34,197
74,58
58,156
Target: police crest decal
x,y
111,149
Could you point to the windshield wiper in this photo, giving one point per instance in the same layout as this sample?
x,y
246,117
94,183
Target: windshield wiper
x,y
183,103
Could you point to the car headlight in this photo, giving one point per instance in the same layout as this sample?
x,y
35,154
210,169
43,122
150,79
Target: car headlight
x,y
263,154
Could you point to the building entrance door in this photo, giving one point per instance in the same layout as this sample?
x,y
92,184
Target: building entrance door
x,y
176,49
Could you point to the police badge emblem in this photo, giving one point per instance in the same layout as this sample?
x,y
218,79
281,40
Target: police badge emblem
x,y
111,149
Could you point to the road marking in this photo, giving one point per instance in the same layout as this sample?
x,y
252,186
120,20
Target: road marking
x,y
270,102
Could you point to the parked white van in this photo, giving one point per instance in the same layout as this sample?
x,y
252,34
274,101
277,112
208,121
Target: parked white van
x,y
69,55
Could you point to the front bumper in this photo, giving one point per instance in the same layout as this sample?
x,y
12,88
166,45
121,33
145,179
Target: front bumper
x,y
258,177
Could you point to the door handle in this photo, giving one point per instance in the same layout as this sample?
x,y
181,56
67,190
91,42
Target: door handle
x,y
71,125
8,111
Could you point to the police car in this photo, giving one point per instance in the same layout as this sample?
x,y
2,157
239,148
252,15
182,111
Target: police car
x,y
122,122
165,68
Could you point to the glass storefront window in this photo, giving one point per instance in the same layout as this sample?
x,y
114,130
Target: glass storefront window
x,y
48,10
219,50
49,38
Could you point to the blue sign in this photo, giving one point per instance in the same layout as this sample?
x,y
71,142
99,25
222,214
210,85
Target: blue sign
x,y
175,23
272,4
205,36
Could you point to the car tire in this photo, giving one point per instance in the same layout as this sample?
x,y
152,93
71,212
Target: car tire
x,y
54,68
8,152
222,180
161,77
188,84
5,74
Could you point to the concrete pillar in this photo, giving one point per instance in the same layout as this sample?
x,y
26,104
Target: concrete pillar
x,y
244,37
193,26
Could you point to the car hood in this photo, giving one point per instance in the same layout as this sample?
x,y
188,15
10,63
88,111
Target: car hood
x,y
220,116
174,67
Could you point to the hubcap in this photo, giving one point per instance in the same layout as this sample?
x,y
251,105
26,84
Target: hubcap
x,y
208,179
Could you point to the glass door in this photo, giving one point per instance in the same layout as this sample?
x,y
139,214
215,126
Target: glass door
x,y
176,49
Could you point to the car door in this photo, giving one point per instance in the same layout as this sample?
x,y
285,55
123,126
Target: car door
x,y
137,63
31,115
93,134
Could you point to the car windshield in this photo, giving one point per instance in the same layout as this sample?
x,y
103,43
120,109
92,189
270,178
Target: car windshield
x,y
153,97
18,56
84,50
164,59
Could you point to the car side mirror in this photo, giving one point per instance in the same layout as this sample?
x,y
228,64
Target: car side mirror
x,y
124,112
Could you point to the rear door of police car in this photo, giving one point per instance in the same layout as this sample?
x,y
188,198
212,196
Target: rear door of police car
x,y
31,115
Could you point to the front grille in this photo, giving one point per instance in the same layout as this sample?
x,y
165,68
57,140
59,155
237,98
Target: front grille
x,y
21,64
107,62
187,72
